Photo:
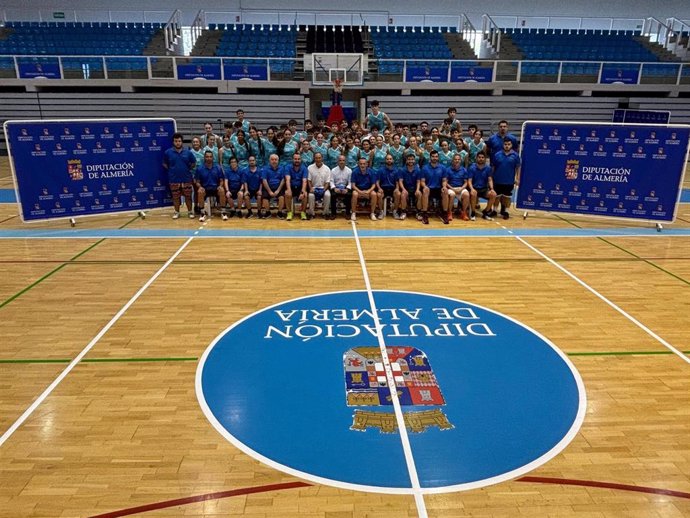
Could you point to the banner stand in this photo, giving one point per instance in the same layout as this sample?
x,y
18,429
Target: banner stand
x,y
603,170
73,168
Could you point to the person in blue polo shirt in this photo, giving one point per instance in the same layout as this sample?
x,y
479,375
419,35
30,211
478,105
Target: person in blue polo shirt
x,y
273,180
435,179
408,185
210,181
494,143
482,184
506,173
234,186
296,185
364,187
180,163
252,186
459,187
387,178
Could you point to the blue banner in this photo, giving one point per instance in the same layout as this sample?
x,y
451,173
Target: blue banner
x,y
611,74
253,72
631,171
426,74
209,71
74,168
471,74
39,70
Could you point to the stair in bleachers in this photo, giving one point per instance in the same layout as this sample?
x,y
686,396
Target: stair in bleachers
x,y
460,48
207,43
508,48
156,46
657,49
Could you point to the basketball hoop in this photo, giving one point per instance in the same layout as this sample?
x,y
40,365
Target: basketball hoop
x,y
338,85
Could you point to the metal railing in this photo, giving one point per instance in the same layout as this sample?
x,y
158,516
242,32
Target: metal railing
x,y
679,37
154,68
60,15
491,32
173,30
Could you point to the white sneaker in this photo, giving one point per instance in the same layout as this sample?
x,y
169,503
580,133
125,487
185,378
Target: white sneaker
x,y
202,218
396,215
373,217
353,217
176,215
190,215
224,217
403,215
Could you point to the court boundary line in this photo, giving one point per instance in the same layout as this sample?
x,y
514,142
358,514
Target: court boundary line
x,y
594,292
165,504
29,411
392,387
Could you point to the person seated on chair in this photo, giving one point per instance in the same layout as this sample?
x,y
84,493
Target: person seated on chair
x,y
435,188
234,184
296,185
341,186
210,180
482,184
459,187
273,180
319,175
408,185
252,186
387,178
364,187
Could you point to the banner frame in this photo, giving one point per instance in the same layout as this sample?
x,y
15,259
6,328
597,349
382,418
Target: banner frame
x,y
655,222
72,218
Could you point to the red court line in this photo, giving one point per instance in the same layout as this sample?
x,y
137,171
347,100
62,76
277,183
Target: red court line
x,y
293,485
604,485
201,498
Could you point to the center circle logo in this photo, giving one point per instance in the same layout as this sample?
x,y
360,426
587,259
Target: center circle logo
x,y
306,387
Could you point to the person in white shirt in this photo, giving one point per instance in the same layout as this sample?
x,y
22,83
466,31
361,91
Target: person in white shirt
x,y
341,186
319,177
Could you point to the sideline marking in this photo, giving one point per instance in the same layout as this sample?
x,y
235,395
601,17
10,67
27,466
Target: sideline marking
x,y
601,297
27,413
294,485
201,498
402,428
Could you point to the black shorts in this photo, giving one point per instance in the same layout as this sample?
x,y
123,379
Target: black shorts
x,y
503,189
483,193
232,194
280,192
211,192
388,192
435,194
296,191
253,194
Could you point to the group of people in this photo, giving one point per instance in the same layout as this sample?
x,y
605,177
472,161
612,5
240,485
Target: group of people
x,y
404,168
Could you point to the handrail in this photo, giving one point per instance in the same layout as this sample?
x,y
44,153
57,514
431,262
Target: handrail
x,y
491,32
173,30
83,15
679,37
198,26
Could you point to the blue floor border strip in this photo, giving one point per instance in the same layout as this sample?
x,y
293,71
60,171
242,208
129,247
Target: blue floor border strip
x,y
331,234
9,196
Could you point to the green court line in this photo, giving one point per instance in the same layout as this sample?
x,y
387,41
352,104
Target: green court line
x,y
660,268
193,359
101,360
58,268
650,263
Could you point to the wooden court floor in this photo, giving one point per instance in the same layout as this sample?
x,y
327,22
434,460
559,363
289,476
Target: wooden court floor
x,y
123,434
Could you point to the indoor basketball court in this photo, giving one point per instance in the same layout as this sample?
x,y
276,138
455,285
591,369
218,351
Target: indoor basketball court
x,y
154,367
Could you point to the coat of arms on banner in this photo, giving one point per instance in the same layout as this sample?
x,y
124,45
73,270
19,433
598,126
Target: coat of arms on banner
x,y
366,384
74,169
571,169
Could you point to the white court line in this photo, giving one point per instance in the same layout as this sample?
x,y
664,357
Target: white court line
x,y
600,296
27,413
404,438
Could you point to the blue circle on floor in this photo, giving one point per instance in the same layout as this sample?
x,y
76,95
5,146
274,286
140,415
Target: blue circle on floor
x,y
305,387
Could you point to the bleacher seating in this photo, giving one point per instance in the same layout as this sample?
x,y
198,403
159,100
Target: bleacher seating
x,y
249,42
77,38
408,43
580,45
